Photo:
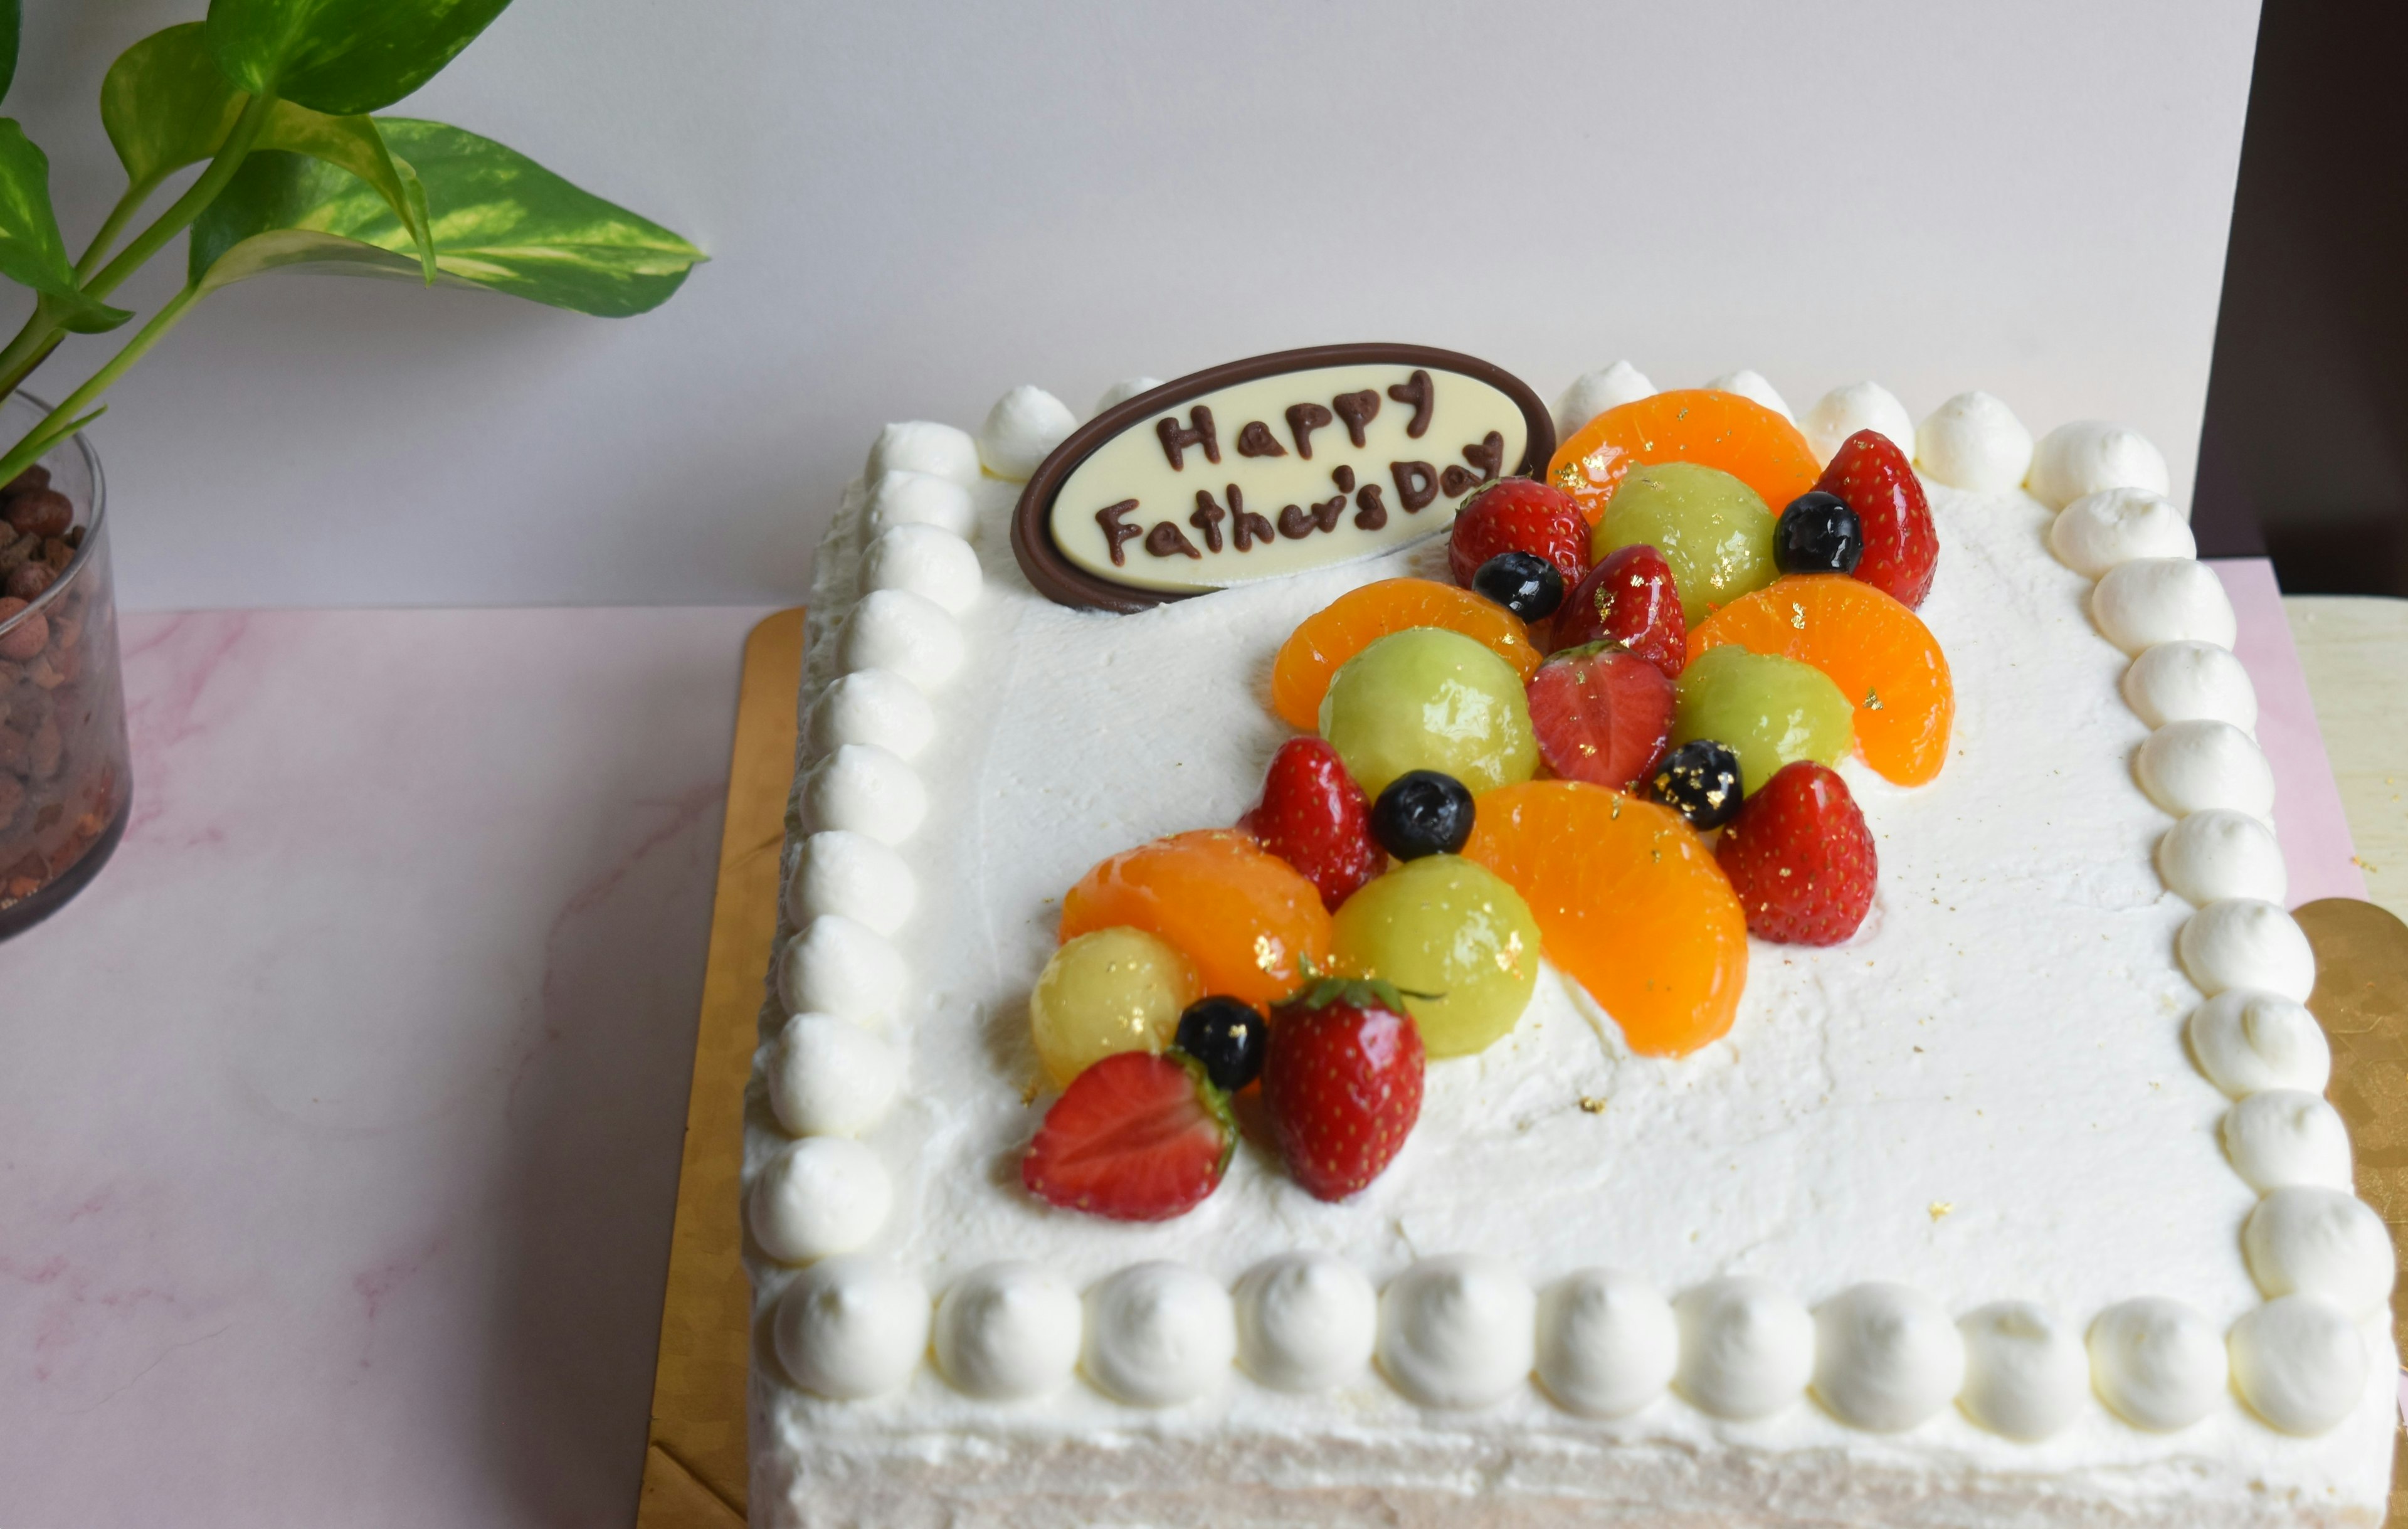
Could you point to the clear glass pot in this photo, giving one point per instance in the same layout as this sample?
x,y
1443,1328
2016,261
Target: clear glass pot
x,y
64,784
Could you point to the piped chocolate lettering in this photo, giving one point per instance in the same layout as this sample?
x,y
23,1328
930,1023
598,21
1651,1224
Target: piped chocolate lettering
x,y
1167,540
1357,409
1245,527
1257,440
1117,535
1370,513
1208,518
1417,390
1343,476
1302,420
1198,433
1487,455
1416,483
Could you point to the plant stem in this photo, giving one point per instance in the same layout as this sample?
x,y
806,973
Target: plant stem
x,y
41,334
119,216
75,405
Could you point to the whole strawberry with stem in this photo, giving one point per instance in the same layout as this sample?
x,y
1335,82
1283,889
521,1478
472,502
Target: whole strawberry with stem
x,y
1875,480
1518,515
1313,816
1342,1083
1800,857
1136,1137
1629,598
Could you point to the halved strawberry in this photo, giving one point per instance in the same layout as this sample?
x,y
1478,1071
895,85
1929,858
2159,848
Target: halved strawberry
x,y
1136,1137
1631,599
1602,715
1342,1083
1800,857
1519,514
1313,816
1876,481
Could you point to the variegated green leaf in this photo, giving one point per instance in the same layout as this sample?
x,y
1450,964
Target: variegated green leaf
x,y
32,252
12,24
342,56
165,104
498,220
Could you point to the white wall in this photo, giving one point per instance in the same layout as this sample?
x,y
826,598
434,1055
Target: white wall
x,y
913,205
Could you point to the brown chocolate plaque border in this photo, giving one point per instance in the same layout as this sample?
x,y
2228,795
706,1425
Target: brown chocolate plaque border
x,y
1059,579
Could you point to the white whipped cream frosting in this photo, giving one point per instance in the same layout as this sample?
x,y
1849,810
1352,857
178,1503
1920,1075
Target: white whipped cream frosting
x,y
1747,1347
840,965
821,1196
1887,1356
851,874
2190,767
852,1327
901,497
908,634
1458,1331
1858,406
1608,1342
2094,457
2026,1373
1022,430
1723,1164
829,1077
1159,1334
2242,942
1974,443
1008,1330
2282,1137
2190,681
1121,391
2160,1363
928,561
873,707
2150,600
1752,387
2217,854
2247,1041
1307,1321
1595,391
2116,526
940,451
2299,1363
2323,1241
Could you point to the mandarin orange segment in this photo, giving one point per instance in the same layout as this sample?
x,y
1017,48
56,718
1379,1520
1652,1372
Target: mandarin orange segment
x,y
1879,653
1360,618
1246,918
1699,425
1629,904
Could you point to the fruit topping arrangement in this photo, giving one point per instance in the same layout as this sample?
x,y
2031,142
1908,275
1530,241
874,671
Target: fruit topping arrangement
x,y
1611,741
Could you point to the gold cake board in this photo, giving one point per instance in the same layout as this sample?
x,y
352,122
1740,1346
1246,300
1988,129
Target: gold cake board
x,y
695,1461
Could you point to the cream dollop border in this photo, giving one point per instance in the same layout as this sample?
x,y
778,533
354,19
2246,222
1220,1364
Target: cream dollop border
x,y
1464,1331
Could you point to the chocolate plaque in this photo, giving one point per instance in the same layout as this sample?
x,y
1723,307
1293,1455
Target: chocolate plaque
x,y
1269,467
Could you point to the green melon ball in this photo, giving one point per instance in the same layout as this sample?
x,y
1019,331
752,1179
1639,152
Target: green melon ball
x,y
1767,709
1712,528
1429,699
1449,926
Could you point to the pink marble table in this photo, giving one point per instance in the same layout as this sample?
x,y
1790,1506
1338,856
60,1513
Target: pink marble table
x,y
339,1119
339,1122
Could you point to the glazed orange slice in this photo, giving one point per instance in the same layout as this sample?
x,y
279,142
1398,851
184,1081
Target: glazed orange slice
x,y
1248,920
1699,425
1360,618
1629,904
1879,653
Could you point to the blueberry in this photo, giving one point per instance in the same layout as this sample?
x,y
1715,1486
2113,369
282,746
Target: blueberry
x,y
1227,1036
1700,780
1524,583
1818,533
1424,811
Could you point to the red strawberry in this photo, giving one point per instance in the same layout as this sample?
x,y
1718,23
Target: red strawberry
x,y
1342,1083
1519,514
1628,599
1872,475
1602,715
1313,816
1800,857
1136,1137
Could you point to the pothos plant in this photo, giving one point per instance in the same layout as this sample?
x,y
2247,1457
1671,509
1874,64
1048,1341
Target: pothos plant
x,y
274,99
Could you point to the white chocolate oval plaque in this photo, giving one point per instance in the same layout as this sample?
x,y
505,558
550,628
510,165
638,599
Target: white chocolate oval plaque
x,y
1270,466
